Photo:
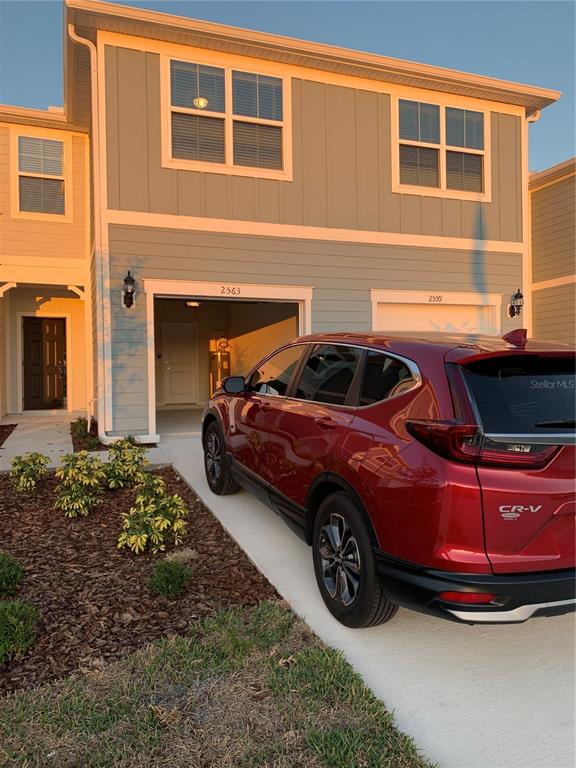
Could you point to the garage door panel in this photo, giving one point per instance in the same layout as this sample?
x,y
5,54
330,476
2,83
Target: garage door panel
x,y
447,318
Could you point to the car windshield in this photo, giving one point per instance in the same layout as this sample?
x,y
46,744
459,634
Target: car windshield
x,y
524,394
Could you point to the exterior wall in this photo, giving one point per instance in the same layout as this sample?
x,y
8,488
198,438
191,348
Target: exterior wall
x,y
553,212
46,302
3,401
554,313
341,274
342,173
53,241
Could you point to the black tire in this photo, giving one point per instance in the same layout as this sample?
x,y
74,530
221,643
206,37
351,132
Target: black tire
x,y
216,464
346,572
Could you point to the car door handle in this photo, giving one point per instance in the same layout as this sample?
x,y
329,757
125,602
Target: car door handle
x,y
265,407
326,422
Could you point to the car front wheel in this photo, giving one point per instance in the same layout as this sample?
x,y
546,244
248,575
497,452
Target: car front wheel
x,y
216,465
344,565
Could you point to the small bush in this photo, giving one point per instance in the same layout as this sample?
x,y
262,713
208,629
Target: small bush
x,y
126,464
28,470
11,574
79,427
80,476
92,443
18,622
169,578
155,517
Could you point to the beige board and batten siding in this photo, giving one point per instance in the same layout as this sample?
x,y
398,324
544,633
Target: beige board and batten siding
x,y
553,313
553,230
22,238
341,164
341,274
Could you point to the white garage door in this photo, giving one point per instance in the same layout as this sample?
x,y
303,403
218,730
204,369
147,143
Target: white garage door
x,y
447,318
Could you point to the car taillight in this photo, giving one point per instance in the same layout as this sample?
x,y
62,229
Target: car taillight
x,y
470,598
464,443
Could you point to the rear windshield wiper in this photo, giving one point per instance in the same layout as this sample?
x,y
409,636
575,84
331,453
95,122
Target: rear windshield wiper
x,y
565,423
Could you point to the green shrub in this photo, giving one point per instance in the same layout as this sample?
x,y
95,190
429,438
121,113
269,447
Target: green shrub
x,y
18,622
79,427
11,574
169,578
80,477
126,462
155,517
92,443
28,470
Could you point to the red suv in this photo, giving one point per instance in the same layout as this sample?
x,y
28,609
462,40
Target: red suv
x,y
434,472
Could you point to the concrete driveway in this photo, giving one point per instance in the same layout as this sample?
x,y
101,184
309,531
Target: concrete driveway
x,y
471,697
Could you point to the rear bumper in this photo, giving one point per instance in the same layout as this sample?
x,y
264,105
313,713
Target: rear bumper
x,y
517,596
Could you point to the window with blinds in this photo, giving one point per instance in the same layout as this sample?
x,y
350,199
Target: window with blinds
x,y
441,147
41,175
225,116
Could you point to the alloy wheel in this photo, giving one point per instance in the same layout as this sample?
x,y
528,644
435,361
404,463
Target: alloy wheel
x,y
213,457
340,560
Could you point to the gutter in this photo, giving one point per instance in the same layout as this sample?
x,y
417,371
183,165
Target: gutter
x,y
103,436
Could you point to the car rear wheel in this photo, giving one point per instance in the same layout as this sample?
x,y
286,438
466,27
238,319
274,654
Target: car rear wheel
x,y
344,565
216,465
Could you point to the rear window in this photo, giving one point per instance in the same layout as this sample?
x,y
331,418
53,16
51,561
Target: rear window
x,y
524,394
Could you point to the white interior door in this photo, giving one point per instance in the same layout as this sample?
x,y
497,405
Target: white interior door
x,y
179,375
447,318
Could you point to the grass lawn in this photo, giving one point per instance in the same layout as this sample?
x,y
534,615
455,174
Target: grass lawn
x,y
245,688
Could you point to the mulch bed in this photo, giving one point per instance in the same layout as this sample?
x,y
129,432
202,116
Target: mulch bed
x,y
94,599
5,431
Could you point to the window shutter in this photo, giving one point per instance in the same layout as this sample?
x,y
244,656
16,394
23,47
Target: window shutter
x,y
464,171
195,137
41,156
190,82
39,195
418,166
258,146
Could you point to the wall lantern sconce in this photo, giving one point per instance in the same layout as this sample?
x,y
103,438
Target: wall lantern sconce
x,y
515,307
129,288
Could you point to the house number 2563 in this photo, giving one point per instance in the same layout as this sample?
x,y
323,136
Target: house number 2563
x,y
229,290
435,299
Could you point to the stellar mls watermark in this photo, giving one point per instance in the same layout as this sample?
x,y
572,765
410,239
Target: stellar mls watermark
x,y
552,384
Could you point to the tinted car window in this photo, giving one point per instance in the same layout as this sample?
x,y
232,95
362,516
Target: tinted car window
x,y
383,377
524,394
328,374
273,376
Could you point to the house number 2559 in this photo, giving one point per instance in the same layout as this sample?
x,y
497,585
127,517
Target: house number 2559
x,y
229,290
435,299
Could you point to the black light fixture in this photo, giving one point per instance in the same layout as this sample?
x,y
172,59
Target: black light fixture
x,y
129,288
515,307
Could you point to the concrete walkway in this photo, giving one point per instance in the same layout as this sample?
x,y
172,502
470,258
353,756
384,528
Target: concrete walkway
x,y
472,697
47,433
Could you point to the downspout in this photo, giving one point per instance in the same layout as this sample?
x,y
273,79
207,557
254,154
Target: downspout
x,y
97,182
527,271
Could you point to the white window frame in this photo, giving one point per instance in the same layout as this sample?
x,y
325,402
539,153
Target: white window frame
x,y
15,173
441,190
228,116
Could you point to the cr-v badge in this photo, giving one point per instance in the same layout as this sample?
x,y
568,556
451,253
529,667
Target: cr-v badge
x,y
513,511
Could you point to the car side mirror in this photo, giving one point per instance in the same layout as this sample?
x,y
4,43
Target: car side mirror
x,y
234,385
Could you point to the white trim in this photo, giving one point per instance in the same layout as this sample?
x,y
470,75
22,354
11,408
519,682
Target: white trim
x,y
448,102
20,359
78,291
6,287
526,229
555,282
384,296
302,232
298,294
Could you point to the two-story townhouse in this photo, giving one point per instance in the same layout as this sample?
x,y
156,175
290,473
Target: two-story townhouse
x,y
256,187
45,309
553,239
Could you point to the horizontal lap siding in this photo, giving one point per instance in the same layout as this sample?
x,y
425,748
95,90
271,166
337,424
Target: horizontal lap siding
x,y
52,239
342,165
341,275
553,232
554,310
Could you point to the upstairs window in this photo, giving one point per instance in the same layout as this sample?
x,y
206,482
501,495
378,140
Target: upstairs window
x,y
441,148
41,176
226,117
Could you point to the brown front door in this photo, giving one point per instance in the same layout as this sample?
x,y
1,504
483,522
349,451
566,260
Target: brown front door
x,y
44,362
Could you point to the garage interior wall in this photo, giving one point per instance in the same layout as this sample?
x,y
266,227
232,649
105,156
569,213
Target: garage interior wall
x,y
253,329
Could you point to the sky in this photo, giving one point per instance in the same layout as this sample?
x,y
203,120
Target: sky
x,y
525,41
